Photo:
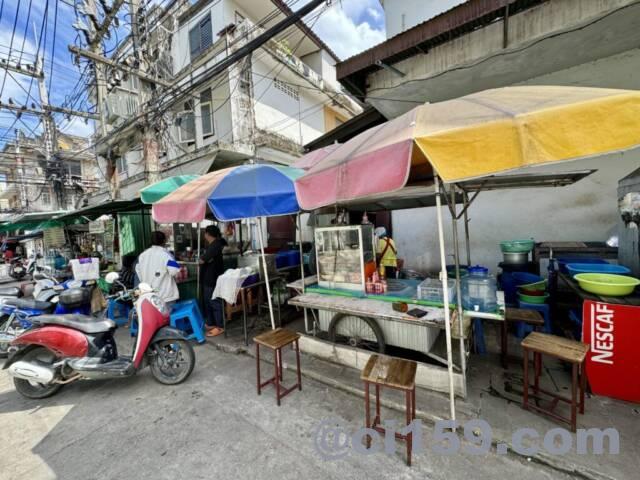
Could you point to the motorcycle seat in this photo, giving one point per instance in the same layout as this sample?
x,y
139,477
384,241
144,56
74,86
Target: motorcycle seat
x,y
10,292
84,323
29,304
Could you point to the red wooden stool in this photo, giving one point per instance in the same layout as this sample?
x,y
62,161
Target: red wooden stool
x,y
276,340
563,349
395,373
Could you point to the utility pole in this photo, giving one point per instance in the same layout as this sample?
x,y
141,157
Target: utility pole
x,y
94,36
149,137
24,200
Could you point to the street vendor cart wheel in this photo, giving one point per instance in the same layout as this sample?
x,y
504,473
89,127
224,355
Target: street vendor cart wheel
x,y
355,331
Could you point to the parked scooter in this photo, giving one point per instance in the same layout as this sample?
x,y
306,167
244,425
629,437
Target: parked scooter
x,y
18,269
17,314
60,349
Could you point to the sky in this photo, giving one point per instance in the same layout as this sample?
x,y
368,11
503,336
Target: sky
x,y
348,27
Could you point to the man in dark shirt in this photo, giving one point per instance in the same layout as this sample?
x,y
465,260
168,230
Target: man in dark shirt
x,y
211,267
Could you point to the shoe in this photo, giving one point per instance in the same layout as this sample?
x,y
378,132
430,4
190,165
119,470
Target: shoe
x,y
214,332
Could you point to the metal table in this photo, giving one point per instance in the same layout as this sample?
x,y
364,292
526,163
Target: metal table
x,y
243,297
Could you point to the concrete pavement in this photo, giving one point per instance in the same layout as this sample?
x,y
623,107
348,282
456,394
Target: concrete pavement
x,y
213,426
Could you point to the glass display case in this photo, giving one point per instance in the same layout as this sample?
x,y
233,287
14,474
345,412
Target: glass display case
x,y
344,255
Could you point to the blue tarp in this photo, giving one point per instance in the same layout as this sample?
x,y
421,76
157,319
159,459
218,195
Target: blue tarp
x,y
255,190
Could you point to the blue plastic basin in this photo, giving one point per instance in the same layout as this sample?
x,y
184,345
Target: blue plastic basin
x,y
564,261
576,268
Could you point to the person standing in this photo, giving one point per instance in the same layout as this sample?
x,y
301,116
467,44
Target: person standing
x,y
386,252
157,267
211,267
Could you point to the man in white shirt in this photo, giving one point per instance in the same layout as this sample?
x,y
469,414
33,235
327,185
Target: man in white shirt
x,y
157,267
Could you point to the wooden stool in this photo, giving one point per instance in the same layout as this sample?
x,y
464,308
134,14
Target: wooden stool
x,y
394,373
511,315
275,340
563,349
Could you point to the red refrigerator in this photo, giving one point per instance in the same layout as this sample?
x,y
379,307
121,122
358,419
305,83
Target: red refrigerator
x,y
613,363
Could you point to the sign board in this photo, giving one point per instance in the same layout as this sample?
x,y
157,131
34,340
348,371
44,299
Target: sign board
x,y
96,227
613,361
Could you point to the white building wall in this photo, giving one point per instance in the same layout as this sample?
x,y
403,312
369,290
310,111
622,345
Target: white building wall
x,y
585,211
401,15
278,112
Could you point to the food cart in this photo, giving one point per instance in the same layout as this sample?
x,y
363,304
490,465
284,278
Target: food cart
x,y
458,148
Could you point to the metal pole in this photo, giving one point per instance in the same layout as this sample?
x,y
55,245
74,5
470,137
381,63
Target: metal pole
x,y
456,256
306,316
266,273
445,291
467,243
198,295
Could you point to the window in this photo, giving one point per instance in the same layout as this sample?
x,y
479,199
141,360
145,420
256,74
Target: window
x,y
46,198
121,166
186,124
286,88
75,169
206,114
200,37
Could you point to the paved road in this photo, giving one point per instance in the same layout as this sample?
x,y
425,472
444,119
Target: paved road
x,y
213,426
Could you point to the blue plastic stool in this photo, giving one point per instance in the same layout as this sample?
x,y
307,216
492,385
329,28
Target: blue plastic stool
x,y
118,311
186,316
522,328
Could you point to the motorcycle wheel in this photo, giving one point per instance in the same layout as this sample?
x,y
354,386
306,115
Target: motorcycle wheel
x,y
172,361
4,328
32,389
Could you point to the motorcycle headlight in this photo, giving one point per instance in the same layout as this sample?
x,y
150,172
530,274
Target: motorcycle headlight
x,y
159,304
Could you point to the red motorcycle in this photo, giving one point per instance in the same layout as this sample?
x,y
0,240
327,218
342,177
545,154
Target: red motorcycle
x,y
60,349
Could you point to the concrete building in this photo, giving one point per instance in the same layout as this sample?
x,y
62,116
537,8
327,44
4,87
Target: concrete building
x,y
486,44
263,108
29,184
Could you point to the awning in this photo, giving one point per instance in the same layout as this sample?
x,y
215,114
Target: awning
x,y
161,189
482,134
29,221
312,158
109,208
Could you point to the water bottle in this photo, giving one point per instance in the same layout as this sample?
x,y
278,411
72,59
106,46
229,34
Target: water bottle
x,y
479,290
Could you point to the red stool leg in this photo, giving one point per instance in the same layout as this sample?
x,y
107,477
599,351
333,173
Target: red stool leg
x,y
258,366
409,437
367,418
525,382
277,373
377,419
298,366
574,395
537,363
583,386
413,403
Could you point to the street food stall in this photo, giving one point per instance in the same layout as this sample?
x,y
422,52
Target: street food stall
x,y
447,151
232,194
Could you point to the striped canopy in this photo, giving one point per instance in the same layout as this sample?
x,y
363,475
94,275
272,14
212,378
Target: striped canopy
x,y
246,191
157,191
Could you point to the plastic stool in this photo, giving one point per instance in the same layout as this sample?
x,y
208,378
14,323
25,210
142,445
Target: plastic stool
x,y
523,329
186,316
118,311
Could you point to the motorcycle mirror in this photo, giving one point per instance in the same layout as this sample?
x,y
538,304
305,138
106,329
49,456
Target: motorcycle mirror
x,y
112,277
